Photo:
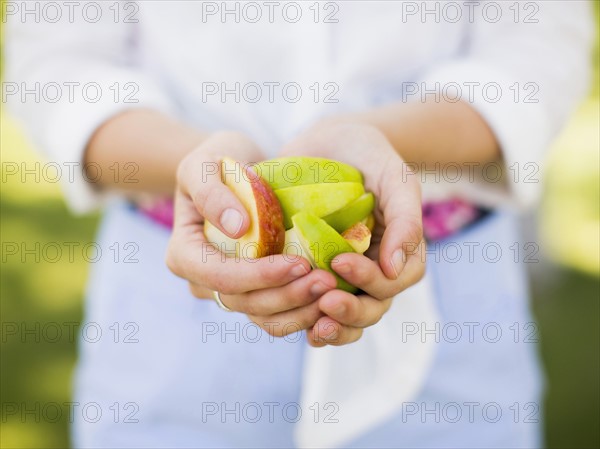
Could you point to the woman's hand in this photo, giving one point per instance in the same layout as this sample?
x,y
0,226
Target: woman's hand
x,y
396,257
278,293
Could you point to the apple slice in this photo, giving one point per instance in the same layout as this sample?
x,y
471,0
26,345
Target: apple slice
x,y
228,246
295,171
358,236
316,199
353,212
320,244
293,246
266,232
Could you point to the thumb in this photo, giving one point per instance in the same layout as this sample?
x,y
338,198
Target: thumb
x,y
202,182
401,209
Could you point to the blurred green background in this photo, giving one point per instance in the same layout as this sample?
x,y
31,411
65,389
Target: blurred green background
x,y
565,287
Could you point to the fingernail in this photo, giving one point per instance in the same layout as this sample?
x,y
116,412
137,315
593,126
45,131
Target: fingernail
x,y
318,289
343,268
398,261
331,337
231,221
299,270
328,332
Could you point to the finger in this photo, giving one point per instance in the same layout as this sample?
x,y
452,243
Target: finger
x,y
367,275
328,331
189,256
200,291
186,217
311,339
270,301
350,310
285,323
235,275
201,181
400,205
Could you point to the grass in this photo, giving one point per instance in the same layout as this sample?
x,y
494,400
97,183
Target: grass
x,y
568,310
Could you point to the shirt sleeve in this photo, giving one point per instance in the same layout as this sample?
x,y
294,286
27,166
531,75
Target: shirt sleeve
x,y
64,78
524,68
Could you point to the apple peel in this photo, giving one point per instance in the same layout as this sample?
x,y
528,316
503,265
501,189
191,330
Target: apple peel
x,y
266,233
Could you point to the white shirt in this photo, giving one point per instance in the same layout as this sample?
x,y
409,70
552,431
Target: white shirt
x,y
523,68
178,53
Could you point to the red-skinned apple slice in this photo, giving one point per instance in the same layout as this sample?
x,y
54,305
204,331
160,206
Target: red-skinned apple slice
x,y
266,233
358,237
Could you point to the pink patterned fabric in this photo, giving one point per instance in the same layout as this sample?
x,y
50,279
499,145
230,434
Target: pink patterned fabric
x,y
160,211
441,219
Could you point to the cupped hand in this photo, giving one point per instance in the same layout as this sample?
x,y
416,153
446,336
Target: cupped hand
x,y
396,258
279,292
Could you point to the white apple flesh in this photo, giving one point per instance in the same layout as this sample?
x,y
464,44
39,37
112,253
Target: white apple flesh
x,y
358,236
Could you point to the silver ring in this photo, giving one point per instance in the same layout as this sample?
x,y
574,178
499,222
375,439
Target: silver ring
x,y
217,297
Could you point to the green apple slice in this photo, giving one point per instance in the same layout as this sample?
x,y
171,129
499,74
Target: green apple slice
x,y
316,199
320,244
296,171
292,246
352,213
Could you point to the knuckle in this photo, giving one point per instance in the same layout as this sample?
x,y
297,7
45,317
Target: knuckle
x,y
310,317
266,271
354,311
227,288
414,276
301,298
362,274
223,285
385,289
297,297
413,234
259,321
375,319
195,290
172,261
273,329
274,332
291,327
201,198
420,273
356,336
349,336
267,326
182,170
406,282
410,170
392,290
251,307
